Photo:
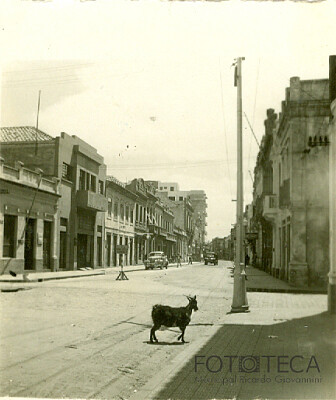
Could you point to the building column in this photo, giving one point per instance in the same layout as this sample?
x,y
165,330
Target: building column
x,y
39,245
2,219
298,268
117,254
54,244
332,211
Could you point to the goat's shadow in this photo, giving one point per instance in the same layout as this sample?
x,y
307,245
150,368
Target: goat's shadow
x,y
165,343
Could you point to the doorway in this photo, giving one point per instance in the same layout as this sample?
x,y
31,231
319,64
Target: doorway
x,y
108,250
29,245
62,255
84,251
46,244
115,250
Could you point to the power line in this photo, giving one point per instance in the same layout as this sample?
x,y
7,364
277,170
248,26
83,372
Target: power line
x,y
254,108
252,130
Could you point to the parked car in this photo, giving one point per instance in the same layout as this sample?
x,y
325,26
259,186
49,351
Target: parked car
x,y
156,259
210,258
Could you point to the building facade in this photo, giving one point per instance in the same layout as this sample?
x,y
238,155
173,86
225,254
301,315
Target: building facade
x,y
197,199
81,171
29,208
119,223
291,187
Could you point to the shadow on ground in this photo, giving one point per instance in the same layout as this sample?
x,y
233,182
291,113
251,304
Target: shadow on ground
x,y
304,337
166,343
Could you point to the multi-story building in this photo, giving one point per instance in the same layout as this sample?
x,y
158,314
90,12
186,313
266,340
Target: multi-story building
x,y
263,188
29,220
198,202
119,222
218,246
181,246
183,213
197,199
144,211
82,207
291,187
161,228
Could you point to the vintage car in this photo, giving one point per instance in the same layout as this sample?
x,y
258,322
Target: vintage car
x,y
156,259
210,257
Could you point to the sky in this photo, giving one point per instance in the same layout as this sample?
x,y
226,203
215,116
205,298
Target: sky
x,y
150,83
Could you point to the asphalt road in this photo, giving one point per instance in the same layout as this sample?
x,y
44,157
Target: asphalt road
x,y
88,337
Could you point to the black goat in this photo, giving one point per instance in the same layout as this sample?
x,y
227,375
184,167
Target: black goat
x,y
172,316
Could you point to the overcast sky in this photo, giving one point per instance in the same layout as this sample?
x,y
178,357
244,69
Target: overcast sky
x,y
150,83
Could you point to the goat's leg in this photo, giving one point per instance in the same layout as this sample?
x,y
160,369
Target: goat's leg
x,y
152,333
182,334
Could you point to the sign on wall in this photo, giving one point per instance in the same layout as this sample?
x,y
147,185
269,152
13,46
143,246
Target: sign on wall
x,y
122,249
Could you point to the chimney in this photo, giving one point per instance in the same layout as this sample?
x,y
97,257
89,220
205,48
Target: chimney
x,y
332,78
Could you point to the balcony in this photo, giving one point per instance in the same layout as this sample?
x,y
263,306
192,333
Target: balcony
x,y
270,207
92,201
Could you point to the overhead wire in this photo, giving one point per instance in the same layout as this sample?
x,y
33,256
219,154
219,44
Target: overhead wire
x,y
254,109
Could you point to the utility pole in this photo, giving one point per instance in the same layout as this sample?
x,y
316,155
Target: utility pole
x,y
239,301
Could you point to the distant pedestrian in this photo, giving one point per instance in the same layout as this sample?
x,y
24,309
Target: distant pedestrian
x,y
247,260
179,264
190,260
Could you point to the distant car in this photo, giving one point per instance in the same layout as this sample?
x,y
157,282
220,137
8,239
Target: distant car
x,y
156,259
210,258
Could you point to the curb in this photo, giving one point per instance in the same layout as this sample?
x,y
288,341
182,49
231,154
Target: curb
x,y
292,291
50,278
104,271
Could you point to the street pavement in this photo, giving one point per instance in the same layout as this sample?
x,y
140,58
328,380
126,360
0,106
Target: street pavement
x,y
283,348
88,338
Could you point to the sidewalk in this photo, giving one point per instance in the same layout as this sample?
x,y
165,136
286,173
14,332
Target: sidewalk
x,y
284,348
47,276
261,281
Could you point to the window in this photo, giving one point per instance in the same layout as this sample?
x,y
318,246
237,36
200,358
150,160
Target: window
x,y
131,216
127,213
82,180
101,187
63,221
161,187
171,188
122,212
109,207
181,198
93,184
87,187
9,236
171,198
66,171
115,210
165,187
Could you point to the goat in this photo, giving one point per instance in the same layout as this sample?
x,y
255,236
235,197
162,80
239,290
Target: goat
x,y
172,316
